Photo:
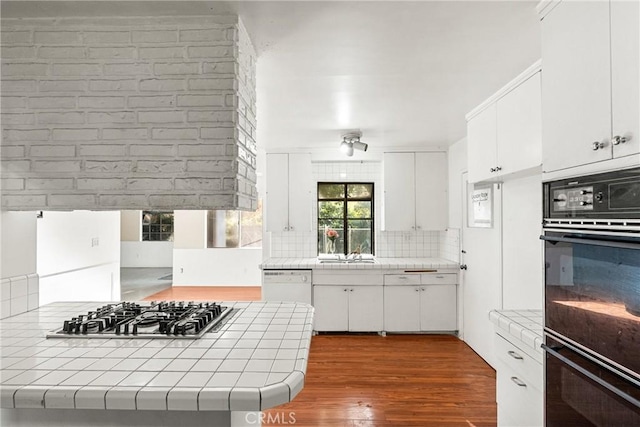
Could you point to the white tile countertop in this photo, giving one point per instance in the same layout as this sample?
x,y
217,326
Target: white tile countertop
x,y
256,360
524,325
379,264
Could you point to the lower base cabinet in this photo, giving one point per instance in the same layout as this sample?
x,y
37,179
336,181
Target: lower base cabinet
x,y
348,308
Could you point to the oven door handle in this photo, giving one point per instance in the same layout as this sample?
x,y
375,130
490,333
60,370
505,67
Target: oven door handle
x,y
607,243
592,377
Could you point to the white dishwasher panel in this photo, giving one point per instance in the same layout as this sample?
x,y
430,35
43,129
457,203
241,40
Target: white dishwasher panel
x,y
286,285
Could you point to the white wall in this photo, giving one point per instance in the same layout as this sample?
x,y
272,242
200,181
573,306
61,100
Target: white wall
x,y
457,165
217,267
131,226
190,229
146,254
79,256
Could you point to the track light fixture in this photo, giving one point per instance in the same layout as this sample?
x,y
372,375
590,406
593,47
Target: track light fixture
x,y
351,141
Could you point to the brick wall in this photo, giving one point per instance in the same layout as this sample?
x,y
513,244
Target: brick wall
x,y
128,113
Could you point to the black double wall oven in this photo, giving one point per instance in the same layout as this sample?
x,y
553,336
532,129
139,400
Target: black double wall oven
x,y
592,300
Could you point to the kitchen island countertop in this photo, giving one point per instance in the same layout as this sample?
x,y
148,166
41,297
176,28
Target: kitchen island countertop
x,y
379,264
256,360
524,325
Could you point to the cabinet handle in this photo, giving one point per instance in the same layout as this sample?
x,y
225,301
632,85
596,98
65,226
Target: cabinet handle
x,y
492,170
345,290
498,168
439,277
291,228
514,355
417,290
422,289
418,227
351,290
518,381
597,145
618,140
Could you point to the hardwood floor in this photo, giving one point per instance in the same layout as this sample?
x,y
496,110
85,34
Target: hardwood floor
x,y
373,381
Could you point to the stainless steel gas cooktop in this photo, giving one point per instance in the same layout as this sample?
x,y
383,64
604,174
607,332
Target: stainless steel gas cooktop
x,y
166,319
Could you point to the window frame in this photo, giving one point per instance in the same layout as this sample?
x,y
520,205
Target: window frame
x,y
160,224
345,218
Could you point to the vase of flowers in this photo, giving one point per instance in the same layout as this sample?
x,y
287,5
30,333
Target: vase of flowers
x,y
332,235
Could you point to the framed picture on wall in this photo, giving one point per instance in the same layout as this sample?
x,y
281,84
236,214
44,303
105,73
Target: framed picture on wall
x,y
480,206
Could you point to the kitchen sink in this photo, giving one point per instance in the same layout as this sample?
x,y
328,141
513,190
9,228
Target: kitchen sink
x,y
342,260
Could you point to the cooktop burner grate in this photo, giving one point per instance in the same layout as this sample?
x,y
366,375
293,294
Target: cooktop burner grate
x,y
165,319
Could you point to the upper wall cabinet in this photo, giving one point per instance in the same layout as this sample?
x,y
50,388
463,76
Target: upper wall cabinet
x,y
415,191
289,189
590,87
504,133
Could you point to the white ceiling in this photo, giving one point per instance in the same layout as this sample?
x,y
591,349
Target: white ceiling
x,y
405,73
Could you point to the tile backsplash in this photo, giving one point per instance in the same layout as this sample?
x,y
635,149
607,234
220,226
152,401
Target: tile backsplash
x,y
388,244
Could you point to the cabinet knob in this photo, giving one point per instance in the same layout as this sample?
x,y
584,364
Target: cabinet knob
x,y
463,267
344,290
422,289
492,170
597,145
417,290
498,168
618,140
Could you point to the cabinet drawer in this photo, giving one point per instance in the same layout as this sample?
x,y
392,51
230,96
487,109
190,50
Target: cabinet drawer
x,y
340,279
519,402
521,364
439,279
401,279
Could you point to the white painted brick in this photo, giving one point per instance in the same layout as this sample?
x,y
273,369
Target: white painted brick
x,y
200,100
106,37
152,150
151,101
12,151
24,69
112,117
218,166
57,37
101,102
63,86
23,52
102,150
23,201
75,200
12,184
231,101
210,116
171,200
77,69
213,84
210,52
132,69
26,134
68,117
175,133
112,52
201,150
207,35
56,166
75,134
200,184
162,85
115,166
52,151
18,118
124,201
156,184
68,52
15,37
112,85
46,102
150,166
219,68
160,116
217,201
50,184
12,102
21,86
84,184
157,36
217,133
160,52
125,133
17,166
177,68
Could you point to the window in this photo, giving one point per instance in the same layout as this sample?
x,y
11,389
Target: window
x,y
234,229
345,217
157,226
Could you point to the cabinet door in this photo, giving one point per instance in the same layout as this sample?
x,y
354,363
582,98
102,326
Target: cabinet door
x,y
576,84
431,191
625,68
332,308
401,309
519,403
519,128
438,308
277,203
399,192
481,136
366,308
300,185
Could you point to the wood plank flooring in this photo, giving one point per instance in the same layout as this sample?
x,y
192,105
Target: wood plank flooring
x,y
373,381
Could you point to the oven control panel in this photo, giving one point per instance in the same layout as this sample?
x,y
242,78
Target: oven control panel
x,y
574,199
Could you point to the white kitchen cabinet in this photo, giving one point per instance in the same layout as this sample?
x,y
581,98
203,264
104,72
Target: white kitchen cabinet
x,y
504,133
590,87
289,192
415,191
438,307
353,308
401,308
